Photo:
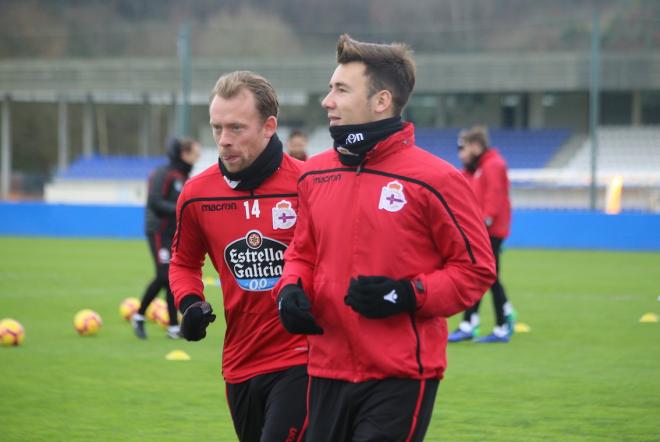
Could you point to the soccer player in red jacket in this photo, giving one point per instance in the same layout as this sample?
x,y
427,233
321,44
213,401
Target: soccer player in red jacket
x,y
486,171
389,243
296,145
242,212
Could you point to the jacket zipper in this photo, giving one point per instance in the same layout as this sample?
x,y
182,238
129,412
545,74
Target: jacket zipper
x,y
413,321
418,350
360,167
355,227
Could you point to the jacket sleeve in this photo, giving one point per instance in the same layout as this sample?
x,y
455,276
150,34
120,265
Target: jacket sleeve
x,y
159,187
300,256
494,176
188,252
467,263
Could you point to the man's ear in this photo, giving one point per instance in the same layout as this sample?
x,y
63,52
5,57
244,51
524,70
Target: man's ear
x,y
383,102
270,126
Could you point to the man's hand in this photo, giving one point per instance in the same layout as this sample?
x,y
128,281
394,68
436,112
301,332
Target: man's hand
x,y
294,308
378,297
197,315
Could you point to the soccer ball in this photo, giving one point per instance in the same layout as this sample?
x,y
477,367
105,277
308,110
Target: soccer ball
x,y
87,322
11,333
156,304
129,307
161,317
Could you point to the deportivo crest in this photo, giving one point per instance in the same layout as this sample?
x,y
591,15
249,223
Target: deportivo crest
x,y
255,261
284,217
392,198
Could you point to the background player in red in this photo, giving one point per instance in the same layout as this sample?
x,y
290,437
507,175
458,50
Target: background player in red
x,y
165,184
389,243
486,171
242,213
296,144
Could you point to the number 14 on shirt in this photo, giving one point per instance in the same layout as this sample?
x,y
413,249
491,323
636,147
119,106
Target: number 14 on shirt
x,y
255,209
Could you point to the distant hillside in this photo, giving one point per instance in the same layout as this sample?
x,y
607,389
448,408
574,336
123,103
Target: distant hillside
x,y
111,28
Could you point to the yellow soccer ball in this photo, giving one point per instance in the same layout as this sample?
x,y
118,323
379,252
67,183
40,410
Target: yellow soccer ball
x,y
162,317
12,333
129,307
155,305
87,322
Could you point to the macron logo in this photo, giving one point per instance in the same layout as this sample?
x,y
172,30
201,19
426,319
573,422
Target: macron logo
x,y
391,296
354,138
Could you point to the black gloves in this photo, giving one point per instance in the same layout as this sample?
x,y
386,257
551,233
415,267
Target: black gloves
x,y
379,296
294,307
197,315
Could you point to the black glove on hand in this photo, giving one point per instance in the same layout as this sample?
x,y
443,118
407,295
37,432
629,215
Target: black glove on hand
x,y
294,307
379,296
197,315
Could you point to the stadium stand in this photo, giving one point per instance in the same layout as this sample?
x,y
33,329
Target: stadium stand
x,y
622,149
111,179
111,167
122,179
526,149
538,180
103,180
522,149
630,154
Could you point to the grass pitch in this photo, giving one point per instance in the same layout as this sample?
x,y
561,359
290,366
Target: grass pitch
x,y
588,370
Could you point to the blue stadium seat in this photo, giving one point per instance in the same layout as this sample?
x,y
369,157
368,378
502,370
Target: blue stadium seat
x,y
99,167
522,149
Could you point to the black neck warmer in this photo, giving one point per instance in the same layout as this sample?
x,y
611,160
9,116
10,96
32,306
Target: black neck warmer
x,y
180,165
354,141
261,169
174,149
473,165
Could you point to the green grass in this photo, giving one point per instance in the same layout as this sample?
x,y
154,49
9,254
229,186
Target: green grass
x,y
588,370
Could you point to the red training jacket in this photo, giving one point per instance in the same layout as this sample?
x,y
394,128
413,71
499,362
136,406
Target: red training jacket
x,y
245,234
490,183
404,214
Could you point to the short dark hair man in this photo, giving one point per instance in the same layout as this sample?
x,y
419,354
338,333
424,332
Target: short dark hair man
x,y
486,171
389,243
296,144
242,213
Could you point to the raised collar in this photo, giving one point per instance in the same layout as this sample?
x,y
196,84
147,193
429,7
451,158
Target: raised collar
x,y
397,141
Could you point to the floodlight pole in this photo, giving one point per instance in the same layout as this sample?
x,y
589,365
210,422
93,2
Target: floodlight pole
x,y
594,104
183,126
88,127
5,148
62,134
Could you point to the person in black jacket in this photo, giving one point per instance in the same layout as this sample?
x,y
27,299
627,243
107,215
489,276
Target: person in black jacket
x,y
165,184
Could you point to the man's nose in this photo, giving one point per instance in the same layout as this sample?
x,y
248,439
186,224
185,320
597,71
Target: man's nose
x,y
224,139
328,102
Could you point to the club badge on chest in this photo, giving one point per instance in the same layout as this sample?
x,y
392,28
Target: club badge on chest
x,y
392,197
284,217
